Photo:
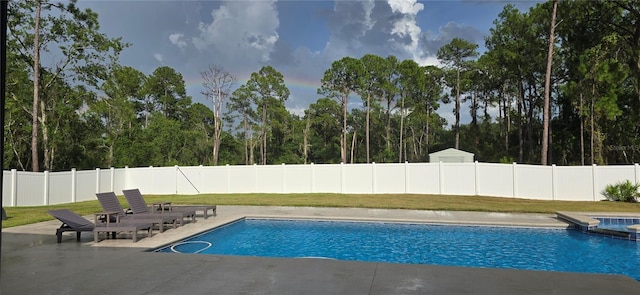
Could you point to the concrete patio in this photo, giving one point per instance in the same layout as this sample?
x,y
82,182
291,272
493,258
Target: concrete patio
x,y
33,263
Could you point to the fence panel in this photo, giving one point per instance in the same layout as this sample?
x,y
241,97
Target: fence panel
x,y
606,175
7,188
574,183
389,178
242,179
458,179
423,178
30,189
495,180
297,178
214,179
60,189
104,181
327,178
534,182
269,178
357,179
86,185
187,179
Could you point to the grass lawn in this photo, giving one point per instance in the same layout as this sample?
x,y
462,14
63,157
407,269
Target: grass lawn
x,y
27,215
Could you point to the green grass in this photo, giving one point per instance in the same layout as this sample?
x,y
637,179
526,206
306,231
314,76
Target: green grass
x,y
26,215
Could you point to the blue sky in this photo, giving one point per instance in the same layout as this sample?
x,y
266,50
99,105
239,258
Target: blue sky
x,y
298,38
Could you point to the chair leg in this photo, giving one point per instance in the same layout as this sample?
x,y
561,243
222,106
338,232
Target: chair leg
x,y
59,236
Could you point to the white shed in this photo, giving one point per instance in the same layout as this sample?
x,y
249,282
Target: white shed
x,y
451,155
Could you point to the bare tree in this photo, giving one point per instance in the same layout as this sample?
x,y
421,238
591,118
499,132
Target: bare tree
x,y
217,85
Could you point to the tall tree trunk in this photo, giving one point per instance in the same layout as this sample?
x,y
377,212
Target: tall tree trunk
x,y
353,146
263,149
246,140
343,140
305,141
217,127
35,163
547,88
367,127
401,129
45,136
519,122
581,130
457,109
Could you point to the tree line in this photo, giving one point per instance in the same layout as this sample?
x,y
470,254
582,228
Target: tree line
x,y
559,83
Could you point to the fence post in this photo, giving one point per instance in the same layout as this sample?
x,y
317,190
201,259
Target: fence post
x,y
594,180
73,185
201,184
46,188
515,179
228,178
476,178
554,183
284,178
313,177
440,178
342,184
255,176
175,170
126,177
14,187
373,177
97,180
406,177
112,179
637,172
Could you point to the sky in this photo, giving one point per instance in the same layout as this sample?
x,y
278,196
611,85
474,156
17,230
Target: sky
x,y
298,38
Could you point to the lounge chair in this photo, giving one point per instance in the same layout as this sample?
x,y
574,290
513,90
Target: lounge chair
x,y
113,227
139,206
74,222
110,203
135,197
70,222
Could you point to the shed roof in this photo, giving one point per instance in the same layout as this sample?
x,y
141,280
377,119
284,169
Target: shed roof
x,y
451,151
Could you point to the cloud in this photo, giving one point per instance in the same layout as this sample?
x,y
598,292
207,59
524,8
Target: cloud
x,y
178,40
240,31
406,26
159,57
432,42
381,28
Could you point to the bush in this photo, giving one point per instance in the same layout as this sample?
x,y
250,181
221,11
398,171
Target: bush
x,y
622,192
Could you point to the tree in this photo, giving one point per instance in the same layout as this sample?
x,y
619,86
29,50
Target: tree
x,y
371,73
269,89
455,55
240,103
325,120
338,83
217,85
116,108
37,25
166,90
547,87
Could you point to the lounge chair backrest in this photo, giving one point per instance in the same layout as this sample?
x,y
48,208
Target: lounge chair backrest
x,y
136,201
70,218
110,203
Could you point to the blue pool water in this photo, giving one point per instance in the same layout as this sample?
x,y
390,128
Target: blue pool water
x,y
617,223
474,246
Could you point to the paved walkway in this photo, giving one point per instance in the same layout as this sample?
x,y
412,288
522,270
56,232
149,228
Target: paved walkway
x,y
33,263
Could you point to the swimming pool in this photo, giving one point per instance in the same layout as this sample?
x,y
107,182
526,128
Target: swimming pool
x,y
474,246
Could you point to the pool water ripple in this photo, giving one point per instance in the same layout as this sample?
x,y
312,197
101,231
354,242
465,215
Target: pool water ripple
x,y
475,246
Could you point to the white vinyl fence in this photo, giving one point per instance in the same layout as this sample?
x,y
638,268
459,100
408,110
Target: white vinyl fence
x,y
570,183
